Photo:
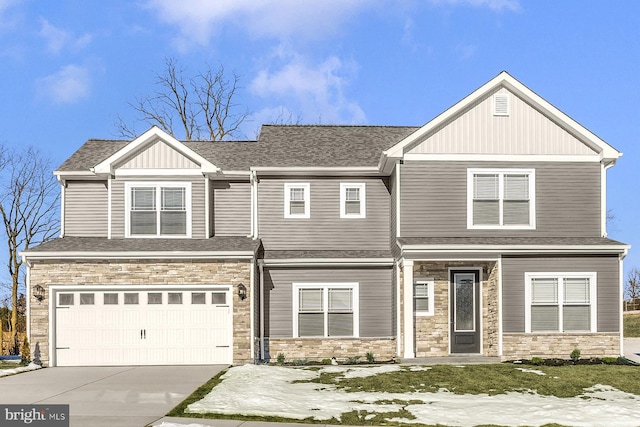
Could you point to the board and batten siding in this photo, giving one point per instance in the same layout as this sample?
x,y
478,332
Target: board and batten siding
x,y
158,155
524,130
434,199
231,208
374,287
324,229
513,286
118,203
86,208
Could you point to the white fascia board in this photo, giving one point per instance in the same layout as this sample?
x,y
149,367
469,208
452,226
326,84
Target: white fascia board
x,y
138,255
397,150
321,171
516,249
326,262
503,158
153,134
606,152
222,175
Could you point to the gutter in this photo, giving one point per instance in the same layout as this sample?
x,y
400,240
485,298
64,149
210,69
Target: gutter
x,y
137,255
325,262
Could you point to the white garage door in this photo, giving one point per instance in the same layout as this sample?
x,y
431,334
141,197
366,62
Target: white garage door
x,y
143,326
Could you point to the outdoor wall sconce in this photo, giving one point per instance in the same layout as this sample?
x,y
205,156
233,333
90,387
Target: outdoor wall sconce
x,y
242,291
38,293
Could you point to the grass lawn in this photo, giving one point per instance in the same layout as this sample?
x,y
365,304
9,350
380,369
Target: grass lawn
x,y
631,325
559,381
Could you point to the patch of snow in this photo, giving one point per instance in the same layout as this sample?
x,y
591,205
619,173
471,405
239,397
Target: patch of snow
x,y
533,371
31,367
286,392
419,368
351,372
460,366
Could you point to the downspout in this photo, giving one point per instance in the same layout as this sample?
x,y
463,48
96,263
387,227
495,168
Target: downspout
x,y
603,197
62,196
621,309
207,207
261,272
252,330
27,283
254,204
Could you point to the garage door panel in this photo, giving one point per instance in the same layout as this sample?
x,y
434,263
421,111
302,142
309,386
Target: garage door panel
x,y
132,327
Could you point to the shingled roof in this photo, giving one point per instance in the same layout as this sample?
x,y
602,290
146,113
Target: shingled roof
x,y
277,146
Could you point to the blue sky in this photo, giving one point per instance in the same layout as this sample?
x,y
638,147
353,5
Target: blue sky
x,y
68,68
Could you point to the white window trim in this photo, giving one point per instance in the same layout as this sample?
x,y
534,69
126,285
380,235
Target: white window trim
x,y
157,185
430,290
343,199
593,302
325,287
307,199
502,172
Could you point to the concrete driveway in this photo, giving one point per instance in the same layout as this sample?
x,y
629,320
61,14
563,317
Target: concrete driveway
x,y
108,396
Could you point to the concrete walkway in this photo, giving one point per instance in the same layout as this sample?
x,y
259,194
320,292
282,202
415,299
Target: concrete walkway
x,y
108,396
632,349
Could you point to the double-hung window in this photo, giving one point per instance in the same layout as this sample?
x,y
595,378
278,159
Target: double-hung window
x,y
325,310
501,198
296,200
352,200
423,297
560,302
158,209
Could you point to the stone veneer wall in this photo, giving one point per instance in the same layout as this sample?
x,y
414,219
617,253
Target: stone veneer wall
x,y
326,348
559,345
142,272
432,332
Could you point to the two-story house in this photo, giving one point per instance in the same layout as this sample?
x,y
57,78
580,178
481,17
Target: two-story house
x,y
481,233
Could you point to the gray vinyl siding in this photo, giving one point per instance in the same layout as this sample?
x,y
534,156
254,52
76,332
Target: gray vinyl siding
x,y
86,208
376,302
324,229
513,286
232,208
197,199
434,199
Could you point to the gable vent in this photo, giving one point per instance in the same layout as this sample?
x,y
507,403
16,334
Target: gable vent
x,y
501,104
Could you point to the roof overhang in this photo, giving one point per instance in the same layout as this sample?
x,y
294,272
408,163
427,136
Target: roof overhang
x,y
328,262
607,154
515,249
42,255
318,171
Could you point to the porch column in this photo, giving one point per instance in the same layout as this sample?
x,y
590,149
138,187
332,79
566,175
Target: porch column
x,y
409,344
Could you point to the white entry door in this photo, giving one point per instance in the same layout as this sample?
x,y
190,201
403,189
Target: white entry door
x,y
143,326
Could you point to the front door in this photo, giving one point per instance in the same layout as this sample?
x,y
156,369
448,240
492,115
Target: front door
x,y
465,311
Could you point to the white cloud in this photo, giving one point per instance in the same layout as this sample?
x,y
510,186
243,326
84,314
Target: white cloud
x,y
198,20
58,39
68,85
497,5
316,91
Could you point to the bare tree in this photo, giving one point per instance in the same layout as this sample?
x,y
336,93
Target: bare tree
x,y
198,107
29,197
632,288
